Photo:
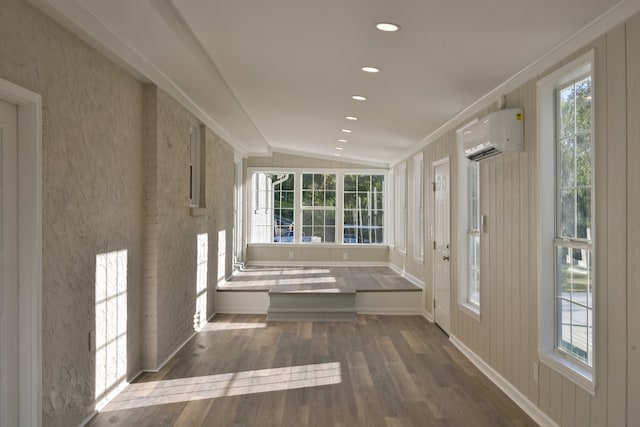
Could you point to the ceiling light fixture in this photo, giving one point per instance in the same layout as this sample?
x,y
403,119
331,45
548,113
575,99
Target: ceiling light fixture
x,y
368,69
346,130
359,98
351,118
337,154
387,26
339,148
342,140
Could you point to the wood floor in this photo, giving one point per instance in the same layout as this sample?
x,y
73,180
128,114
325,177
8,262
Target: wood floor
x,y
314,278
376,371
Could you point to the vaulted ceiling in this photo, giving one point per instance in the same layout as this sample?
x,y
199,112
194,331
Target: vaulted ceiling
x,y
279,75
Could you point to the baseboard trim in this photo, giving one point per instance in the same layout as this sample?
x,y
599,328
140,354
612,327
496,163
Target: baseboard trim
x,y
88,419
514,394
427,316
410,277
175,352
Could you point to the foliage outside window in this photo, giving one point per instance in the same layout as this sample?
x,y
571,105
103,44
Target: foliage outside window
x,y
573,243
363,220
318,207
473,234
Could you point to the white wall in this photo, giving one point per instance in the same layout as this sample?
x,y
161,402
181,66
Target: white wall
x,y
506,336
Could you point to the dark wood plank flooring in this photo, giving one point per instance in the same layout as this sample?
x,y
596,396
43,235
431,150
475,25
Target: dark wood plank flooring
x,y
241,370
314,278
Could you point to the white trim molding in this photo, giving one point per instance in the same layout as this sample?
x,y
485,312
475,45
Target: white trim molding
x,y
547,351
410,277
29,249
513,393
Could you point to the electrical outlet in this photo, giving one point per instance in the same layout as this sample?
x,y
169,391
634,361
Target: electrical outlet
x,y
345,256
535,372
290,254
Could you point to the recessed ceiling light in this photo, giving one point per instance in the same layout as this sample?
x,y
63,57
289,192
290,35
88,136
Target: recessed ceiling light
x,y
346,130
339,148
368,69
342,140
387,26
359,98
337,154
351,118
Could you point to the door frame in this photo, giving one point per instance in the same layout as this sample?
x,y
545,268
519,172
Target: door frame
x,y
445,160
29,249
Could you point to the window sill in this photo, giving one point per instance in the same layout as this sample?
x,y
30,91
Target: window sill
x,y
470,310
570,370
198,211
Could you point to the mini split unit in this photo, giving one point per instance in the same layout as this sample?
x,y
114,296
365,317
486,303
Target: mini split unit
x,y
499,132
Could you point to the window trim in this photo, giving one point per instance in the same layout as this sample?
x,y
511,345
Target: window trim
x,y
473,310
561,362
298,172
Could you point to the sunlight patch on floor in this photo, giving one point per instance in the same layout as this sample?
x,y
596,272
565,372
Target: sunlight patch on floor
x,y
165,392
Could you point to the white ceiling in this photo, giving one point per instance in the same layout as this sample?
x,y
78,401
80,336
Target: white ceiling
x,y
278,75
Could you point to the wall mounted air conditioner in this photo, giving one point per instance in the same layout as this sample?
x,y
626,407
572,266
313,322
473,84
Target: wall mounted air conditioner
x,y
499,132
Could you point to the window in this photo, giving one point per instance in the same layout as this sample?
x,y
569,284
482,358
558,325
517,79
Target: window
x,y
391,208
473,234
318,207
272,207
418,209
363,220
573,244
401,208
567,288
469,231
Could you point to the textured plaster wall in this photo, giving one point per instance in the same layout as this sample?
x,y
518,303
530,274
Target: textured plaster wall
x,y
92,194
172,286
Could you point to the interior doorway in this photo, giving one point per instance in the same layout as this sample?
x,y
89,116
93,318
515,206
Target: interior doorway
x,y
9,365
26,291
441,259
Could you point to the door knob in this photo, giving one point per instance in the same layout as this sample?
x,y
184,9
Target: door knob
x,y
445,258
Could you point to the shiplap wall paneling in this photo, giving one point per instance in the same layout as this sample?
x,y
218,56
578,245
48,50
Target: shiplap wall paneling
x,y
568,403
633,218
530,260
616,230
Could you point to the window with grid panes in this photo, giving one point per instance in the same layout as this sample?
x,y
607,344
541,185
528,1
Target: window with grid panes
x,y
363,209
318,207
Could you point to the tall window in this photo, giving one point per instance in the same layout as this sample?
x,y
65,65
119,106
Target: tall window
x,y
473,234
283,209
363,209
573,242
318,207
567,289
272,207
401,208
391,209
418,208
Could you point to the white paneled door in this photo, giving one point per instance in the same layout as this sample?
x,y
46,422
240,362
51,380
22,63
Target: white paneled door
x,y
441,269
9,386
